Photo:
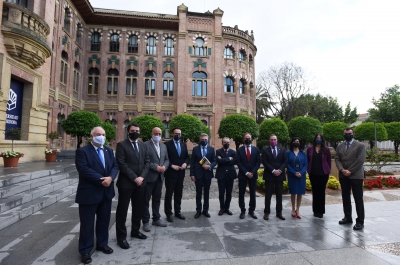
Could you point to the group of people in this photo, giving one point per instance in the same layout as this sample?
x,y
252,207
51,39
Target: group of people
x,y
143,167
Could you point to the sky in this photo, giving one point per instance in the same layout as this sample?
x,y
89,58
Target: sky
x,y
351,48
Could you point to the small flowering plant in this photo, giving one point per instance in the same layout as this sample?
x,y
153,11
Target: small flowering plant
x,y
52,151
11,154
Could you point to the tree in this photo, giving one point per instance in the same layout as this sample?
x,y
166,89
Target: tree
x,y
393,131
274,126
350,115
52,136
13,134
333,132
147,123
282,86
304,127
110,131
387,107
80,123
262,104
190,125
365,132
235,125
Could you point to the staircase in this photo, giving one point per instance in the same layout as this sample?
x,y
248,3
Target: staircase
x,y
24,193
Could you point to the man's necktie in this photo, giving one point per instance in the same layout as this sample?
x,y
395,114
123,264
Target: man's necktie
x,y
274,152
136,148
178,148
347,146
157,149
226,152
100,156
248,153
204,151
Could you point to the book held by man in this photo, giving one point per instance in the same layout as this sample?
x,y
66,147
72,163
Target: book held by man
x,y
204,161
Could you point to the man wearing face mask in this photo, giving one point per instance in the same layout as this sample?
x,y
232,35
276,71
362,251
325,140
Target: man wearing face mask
x,y
226,173
202,174
133,160
350,158
274,161
178,159
248,161
158,164
97,170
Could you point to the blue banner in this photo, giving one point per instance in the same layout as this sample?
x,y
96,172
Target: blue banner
x,y
14,105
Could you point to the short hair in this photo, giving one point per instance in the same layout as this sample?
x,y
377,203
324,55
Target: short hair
x,y
247,133
176,128
203,134
91,132
229,139
132,124
349,129
273,135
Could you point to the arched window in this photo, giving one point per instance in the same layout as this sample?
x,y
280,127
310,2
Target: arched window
x,y
150,83
228,86
114,43
228,53
133,44
199,84
250,58
169,47
199,48
64,67
168,84
67,19
76,76
204,122
60,118
151,46
131,82
112,82
166,131
79,33
93,84
242,87
95,43
242,55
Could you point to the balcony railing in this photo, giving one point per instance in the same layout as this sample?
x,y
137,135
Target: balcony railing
x,y
237,32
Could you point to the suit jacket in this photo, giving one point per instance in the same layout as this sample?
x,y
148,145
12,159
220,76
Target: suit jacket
x,y
292,161
155,161
226,167
174,159
130,165
353,160
248,166
196,169
90,169
270,163
326,159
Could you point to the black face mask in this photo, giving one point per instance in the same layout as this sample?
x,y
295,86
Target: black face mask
x,y
348,137
134,135
177,137
226,146
247,141
295,145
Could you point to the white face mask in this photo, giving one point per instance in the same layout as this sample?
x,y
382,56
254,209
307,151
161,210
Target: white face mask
x,y
156,138
99,139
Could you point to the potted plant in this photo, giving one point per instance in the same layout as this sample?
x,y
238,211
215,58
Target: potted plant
x,y
52,136
11,158
51,154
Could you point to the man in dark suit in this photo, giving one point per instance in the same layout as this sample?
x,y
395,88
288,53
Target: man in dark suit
x,y
248,161
202,174
274,161
350,158
159,162
133,160
226,173
97,170
178,160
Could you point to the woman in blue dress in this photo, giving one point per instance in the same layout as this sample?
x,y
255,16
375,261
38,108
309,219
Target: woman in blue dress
x,y
296,172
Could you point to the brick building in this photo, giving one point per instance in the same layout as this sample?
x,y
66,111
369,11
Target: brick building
x,y
67,55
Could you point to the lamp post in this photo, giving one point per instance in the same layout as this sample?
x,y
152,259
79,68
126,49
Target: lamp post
x,y
376,147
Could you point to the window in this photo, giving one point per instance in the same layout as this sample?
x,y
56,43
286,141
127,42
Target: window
x,y
126,123
114,43
133,44
228,86
151,46
228,53
166,131
112,82
76,76
199,84
250,58
93,85
168,84
241,87
150,83
131,82
64,67
60,118
169,47
67,19
79,33
95,43
23,3
199,50
242,55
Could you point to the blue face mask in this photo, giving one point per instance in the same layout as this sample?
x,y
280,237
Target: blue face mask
x,y
318,141
203,142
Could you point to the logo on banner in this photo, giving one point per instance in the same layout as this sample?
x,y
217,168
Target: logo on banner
x,y
12,100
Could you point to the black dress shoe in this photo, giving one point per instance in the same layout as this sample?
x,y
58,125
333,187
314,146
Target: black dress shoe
x,y
320,215
316,214
139,235
280,216
180,216
358,226
228,212
197,215
123,244
86,259
105,249
170,219
345,221
221,212
241,216
266,217
252,215
206,214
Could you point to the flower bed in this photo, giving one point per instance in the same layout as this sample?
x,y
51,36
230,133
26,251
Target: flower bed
x,y
380,182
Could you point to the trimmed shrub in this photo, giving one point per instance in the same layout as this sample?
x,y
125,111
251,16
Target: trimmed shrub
x,y
333,183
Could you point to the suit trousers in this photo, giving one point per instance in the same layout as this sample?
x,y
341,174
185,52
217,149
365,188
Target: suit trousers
x,y
153,191
200,183
173,186
135,196
318,183
87,214
225,185
356,186
242,189
272,186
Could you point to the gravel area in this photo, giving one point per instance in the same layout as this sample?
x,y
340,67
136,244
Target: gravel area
x,y
393,248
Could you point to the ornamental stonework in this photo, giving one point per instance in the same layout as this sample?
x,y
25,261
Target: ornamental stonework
x,y
202,24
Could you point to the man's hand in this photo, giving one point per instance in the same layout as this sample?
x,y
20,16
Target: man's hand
x,y
298,174
160,169
193,178
249,175
277,172
175,167
346,172
139,181
206,167
183,166
219,157
106,181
